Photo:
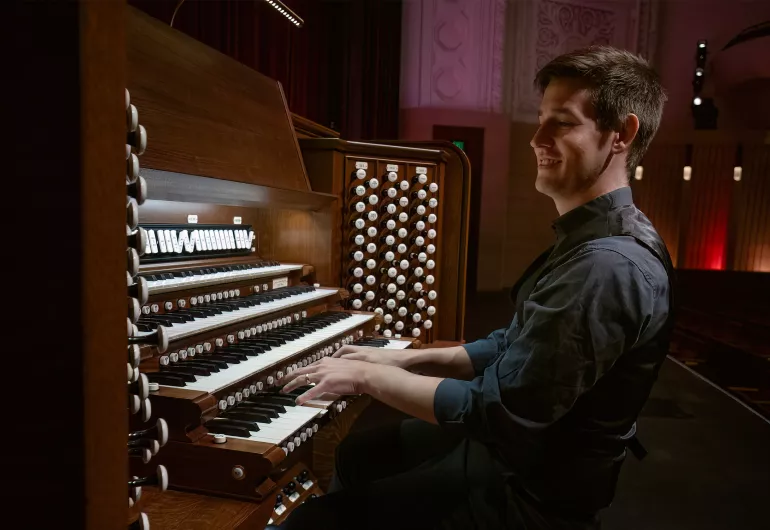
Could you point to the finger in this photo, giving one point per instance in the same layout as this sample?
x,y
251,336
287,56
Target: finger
x,y
296,378
345,350
291,385
356,356
313,393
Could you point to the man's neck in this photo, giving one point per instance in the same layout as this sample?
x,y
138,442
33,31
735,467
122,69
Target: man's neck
x,y
565,204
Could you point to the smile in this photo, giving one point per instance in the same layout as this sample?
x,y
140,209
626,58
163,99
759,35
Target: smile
x,y
547,162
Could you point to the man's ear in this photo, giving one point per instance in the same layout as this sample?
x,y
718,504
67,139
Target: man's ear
x,y
626,134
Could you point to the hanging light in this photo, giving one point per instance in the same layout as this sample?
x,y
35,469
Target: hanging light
x,y
288,13
687,173
639,172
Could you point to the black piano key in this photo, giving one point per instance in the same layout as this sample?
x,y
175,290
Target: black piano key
x,y
165,379
204,360
257,400
226,352
251,352
224,358
210,367
250,425
181,374
230,430
246,415
186,368
253,407
277,400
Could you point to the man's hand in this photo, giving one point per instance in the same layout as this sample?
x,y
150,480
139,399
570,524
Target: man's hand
x,y
397,358
335,376
409,393
438,362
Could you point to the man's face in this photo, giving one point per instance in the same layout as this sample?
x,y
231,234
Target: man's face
x,y
571,150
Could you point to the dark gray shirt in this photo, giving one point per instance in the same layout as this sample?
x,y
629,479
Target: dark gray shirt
x,y
538,394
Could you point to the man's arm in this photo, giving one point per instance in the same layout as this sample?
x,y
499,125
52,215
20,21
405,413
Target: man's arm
x,y
586,315
439,362
410,393
451,362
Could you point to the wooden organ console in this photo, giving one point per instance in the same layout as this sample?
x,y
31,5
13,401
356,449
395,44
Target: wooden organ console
x,y
243,250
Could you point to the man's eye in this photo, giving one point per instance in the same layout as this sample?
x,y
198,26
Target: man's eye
x,y
564,124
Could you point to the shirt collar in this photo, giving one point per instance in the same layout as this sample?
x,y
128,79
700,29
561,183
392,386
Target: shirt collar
x,y
596,208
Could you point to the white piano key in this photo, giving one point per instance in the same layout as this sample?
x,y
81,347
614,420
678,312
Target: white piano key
x,y
275,433
397,344
186,329
245,369
175,284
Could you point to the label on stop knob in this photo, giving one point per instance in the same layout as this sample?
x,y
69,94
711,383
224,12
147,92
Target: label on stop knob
x,y
307,485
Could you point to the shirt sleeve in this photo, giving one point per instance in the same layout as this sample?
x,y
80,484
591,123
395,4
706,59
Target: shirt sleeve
x,y
483,351
579,319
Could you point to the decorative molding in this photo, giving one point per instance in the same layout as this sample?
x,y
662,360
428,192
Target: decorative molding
x,y
498,55
453,54
544,29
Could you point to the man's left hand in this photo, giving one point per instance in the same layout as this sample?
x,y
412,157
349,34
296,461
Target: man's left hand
x,y
335,376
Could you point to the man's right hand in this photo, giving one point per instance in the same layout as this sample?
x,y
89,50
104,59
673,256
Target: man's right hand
x,y
397,358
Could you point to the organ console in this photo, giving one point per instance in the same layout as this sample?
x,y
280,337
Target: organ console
x,y
249,253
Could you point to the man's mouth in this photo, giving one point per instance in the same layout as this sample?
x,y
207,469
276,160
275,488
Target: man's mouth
x,y
547,162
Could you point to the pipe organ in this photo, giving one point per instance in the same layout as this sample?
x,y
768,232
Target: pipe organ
x,y
252,254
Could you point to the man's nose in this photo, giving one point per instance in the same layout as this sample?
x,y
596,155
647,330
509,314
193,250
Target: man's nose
x,y
541,138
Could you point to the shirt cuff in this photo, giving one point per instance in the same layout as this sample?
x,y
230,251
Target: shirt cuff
x,y
450,402
481,352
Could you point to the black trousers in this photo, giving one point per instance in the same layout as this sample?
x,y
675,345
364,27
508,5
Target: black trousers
x,y
413,475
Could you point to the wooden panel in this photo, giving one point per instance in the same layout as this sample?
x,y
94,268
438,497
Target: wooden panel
x,y
291,236
205,113
169,186
176,510
102,276
305,128
68,160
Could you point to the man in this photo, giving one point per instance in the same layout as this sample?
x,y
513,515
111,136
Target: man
x,y
527,428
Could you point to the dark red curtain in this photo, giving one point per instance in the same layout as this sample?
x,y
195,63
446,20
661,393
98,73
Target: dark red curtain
x,y
341,69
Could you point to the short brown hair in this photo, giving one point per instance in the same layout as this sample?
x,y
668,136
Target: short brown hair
x,y
621,83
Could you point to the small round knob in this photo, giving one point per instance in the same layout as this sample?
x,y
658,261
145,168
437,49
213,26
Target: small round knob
x,y
238,473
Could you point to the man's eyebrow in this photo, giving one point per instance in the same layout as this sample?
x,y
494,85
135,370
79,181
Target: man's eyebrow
x,y
560,110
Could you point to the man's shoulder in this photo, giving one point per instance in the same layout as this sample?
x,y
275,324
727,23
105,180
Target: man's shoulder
x,y
609,253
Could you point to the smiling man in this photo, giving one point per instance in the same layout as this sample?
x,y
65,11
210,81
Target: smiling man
x,y
528,427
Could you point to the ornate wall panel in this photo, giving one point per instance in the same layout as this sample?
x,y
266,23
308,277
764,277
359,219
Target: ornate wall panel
x,y
543,29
